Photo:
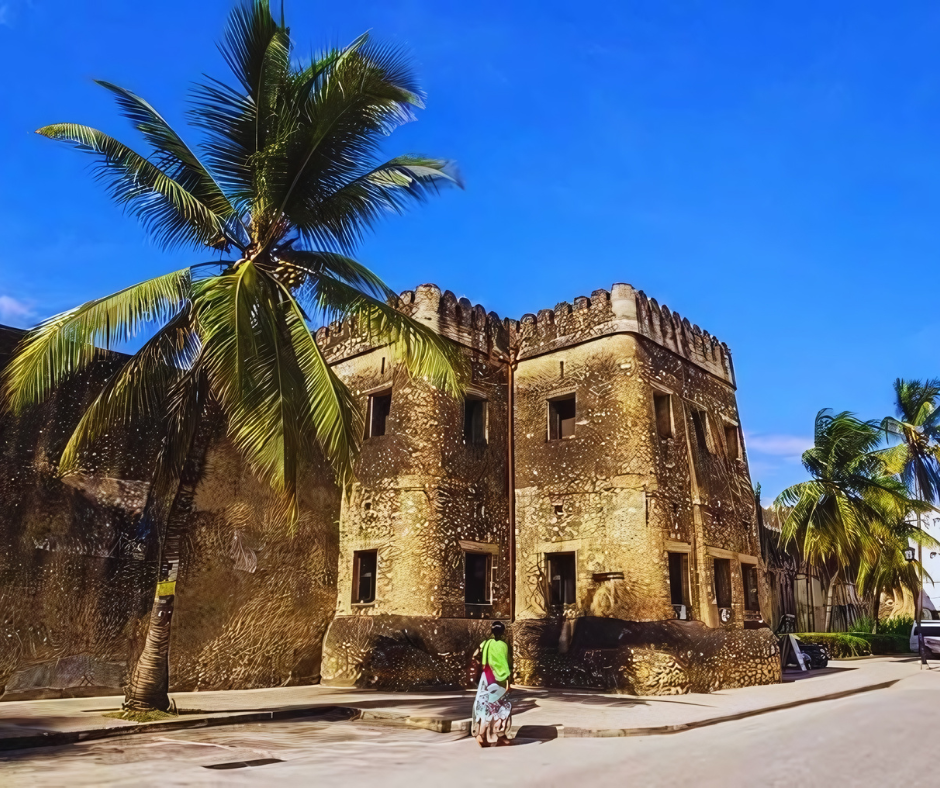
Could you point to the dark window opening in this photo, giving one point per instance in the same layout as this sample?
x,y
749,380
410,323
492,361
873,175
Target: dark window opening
x,y
663,406
561,577
379,407
561,369
477,578
365,563
679,579
751,598
474,421
561,418
383,365
367,505
731,442
559,509
700,427
723,582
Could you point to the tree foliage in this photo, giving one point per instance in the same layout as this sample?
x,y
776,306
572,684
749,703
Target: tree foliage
x,y
283,183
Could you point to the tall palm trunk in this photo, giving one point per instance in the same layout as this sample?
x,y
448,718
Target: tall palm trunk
x,y
169,507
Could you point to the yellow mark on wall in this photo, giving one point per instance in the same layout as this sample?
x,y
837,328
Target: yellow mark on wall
x,y
166,588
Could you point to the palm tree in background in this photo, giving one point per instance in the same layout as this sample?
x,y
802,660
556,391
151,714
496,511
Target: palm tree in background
x,y
285,183
915,455
849,516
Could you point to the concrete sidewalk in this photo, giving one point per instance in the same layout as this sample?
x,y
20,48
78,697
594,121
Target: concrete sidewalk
x,y
542,714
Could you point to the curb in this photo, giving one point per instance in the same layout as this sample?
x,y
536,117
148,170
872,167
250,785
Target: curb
x,y
439,725
661,730
56,738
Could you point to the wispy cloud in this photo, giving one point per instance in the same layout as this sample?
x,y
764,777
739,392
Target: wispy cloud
x,y
14,311
5,17
779,445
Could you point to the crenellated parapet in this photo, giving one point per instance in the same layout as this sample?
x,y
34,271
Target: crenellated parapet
x,y
621,310
455,318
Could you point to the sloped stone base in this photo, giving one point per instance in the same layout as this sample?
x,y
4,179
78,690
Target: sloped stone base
x,y
400,653
642,658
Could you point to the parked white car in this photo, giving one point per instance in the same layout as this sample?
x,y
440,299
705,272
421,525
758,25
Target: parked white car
x,y
931,637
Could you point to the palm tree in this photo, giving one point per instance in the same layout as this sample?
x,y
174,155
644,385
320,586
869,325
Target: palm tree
x,y
286,183
843,516
916,453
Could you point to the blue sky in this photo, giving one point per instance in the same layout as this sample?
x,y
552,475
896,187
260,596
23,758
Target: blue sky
x,y
770,170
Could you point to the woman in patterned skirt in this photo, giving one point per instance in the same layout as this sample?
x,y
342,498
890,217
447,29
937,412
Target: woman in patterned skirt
x,y
492,710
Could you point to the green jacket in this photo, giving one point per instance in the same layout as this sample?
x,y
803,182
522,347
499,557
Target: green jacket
x,y
495,653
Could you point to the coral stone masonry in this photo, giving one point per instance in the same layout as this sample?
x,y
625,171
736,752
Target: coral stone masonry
x,y
590,489
595,471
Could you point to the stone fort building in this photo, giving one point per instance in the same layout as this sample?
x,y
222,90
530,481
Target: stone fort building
x,y
591,489
593,475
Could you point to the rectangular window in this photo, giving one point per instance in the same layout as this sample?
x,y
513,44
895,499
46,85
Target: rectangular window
x,y
477,578
700,427
561,417
751,598
662,404
723,582
679,579
365,564
561,578
474,421
380,405
731,442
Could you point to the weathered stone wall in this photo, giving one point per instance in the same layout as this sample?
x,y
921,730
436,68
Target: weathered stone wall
x,y
253,602
421,491
627,495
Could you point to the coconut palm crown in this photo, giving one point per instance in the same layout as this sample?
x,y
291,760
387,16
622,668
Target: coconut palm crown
x,y
284,183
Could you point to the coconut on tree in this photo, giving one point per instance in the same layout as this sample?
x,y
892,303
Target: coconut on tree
x,y
273,199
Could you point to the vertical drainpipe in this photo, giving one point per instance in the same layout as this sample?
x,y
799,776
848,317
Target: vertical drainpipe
x,y
511,479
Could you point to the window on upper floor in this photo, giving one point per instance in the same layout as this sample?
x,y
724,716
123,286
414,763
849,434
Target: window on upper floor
x,y
662,405
561,413
380,405
700,429
732,444
474,420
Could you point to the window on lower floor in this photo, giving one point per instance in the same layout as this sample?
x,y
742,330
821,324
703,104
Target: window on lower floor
x,y
380,405
679,579
723,582
477,578
751,598
561,413
561,578
365,564
474,421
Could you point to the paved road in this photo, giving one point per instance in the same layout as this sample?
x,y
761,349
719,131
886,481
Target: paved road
x,y
882,738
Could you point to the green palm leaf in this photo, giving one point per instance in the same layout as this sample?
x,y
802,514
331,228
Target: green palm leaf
x,y
67,343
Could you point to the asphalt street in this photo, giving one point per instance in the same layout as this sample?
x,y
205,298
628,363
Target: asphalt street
x,y
882,738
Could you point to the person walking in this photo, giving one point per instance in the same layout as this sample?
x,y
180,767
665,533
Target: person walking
x,y
492,710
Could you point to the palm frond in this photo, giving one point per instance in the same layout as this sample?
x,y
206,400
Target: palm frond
x,y
171,214
139,389
174,156
424,352
67,343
